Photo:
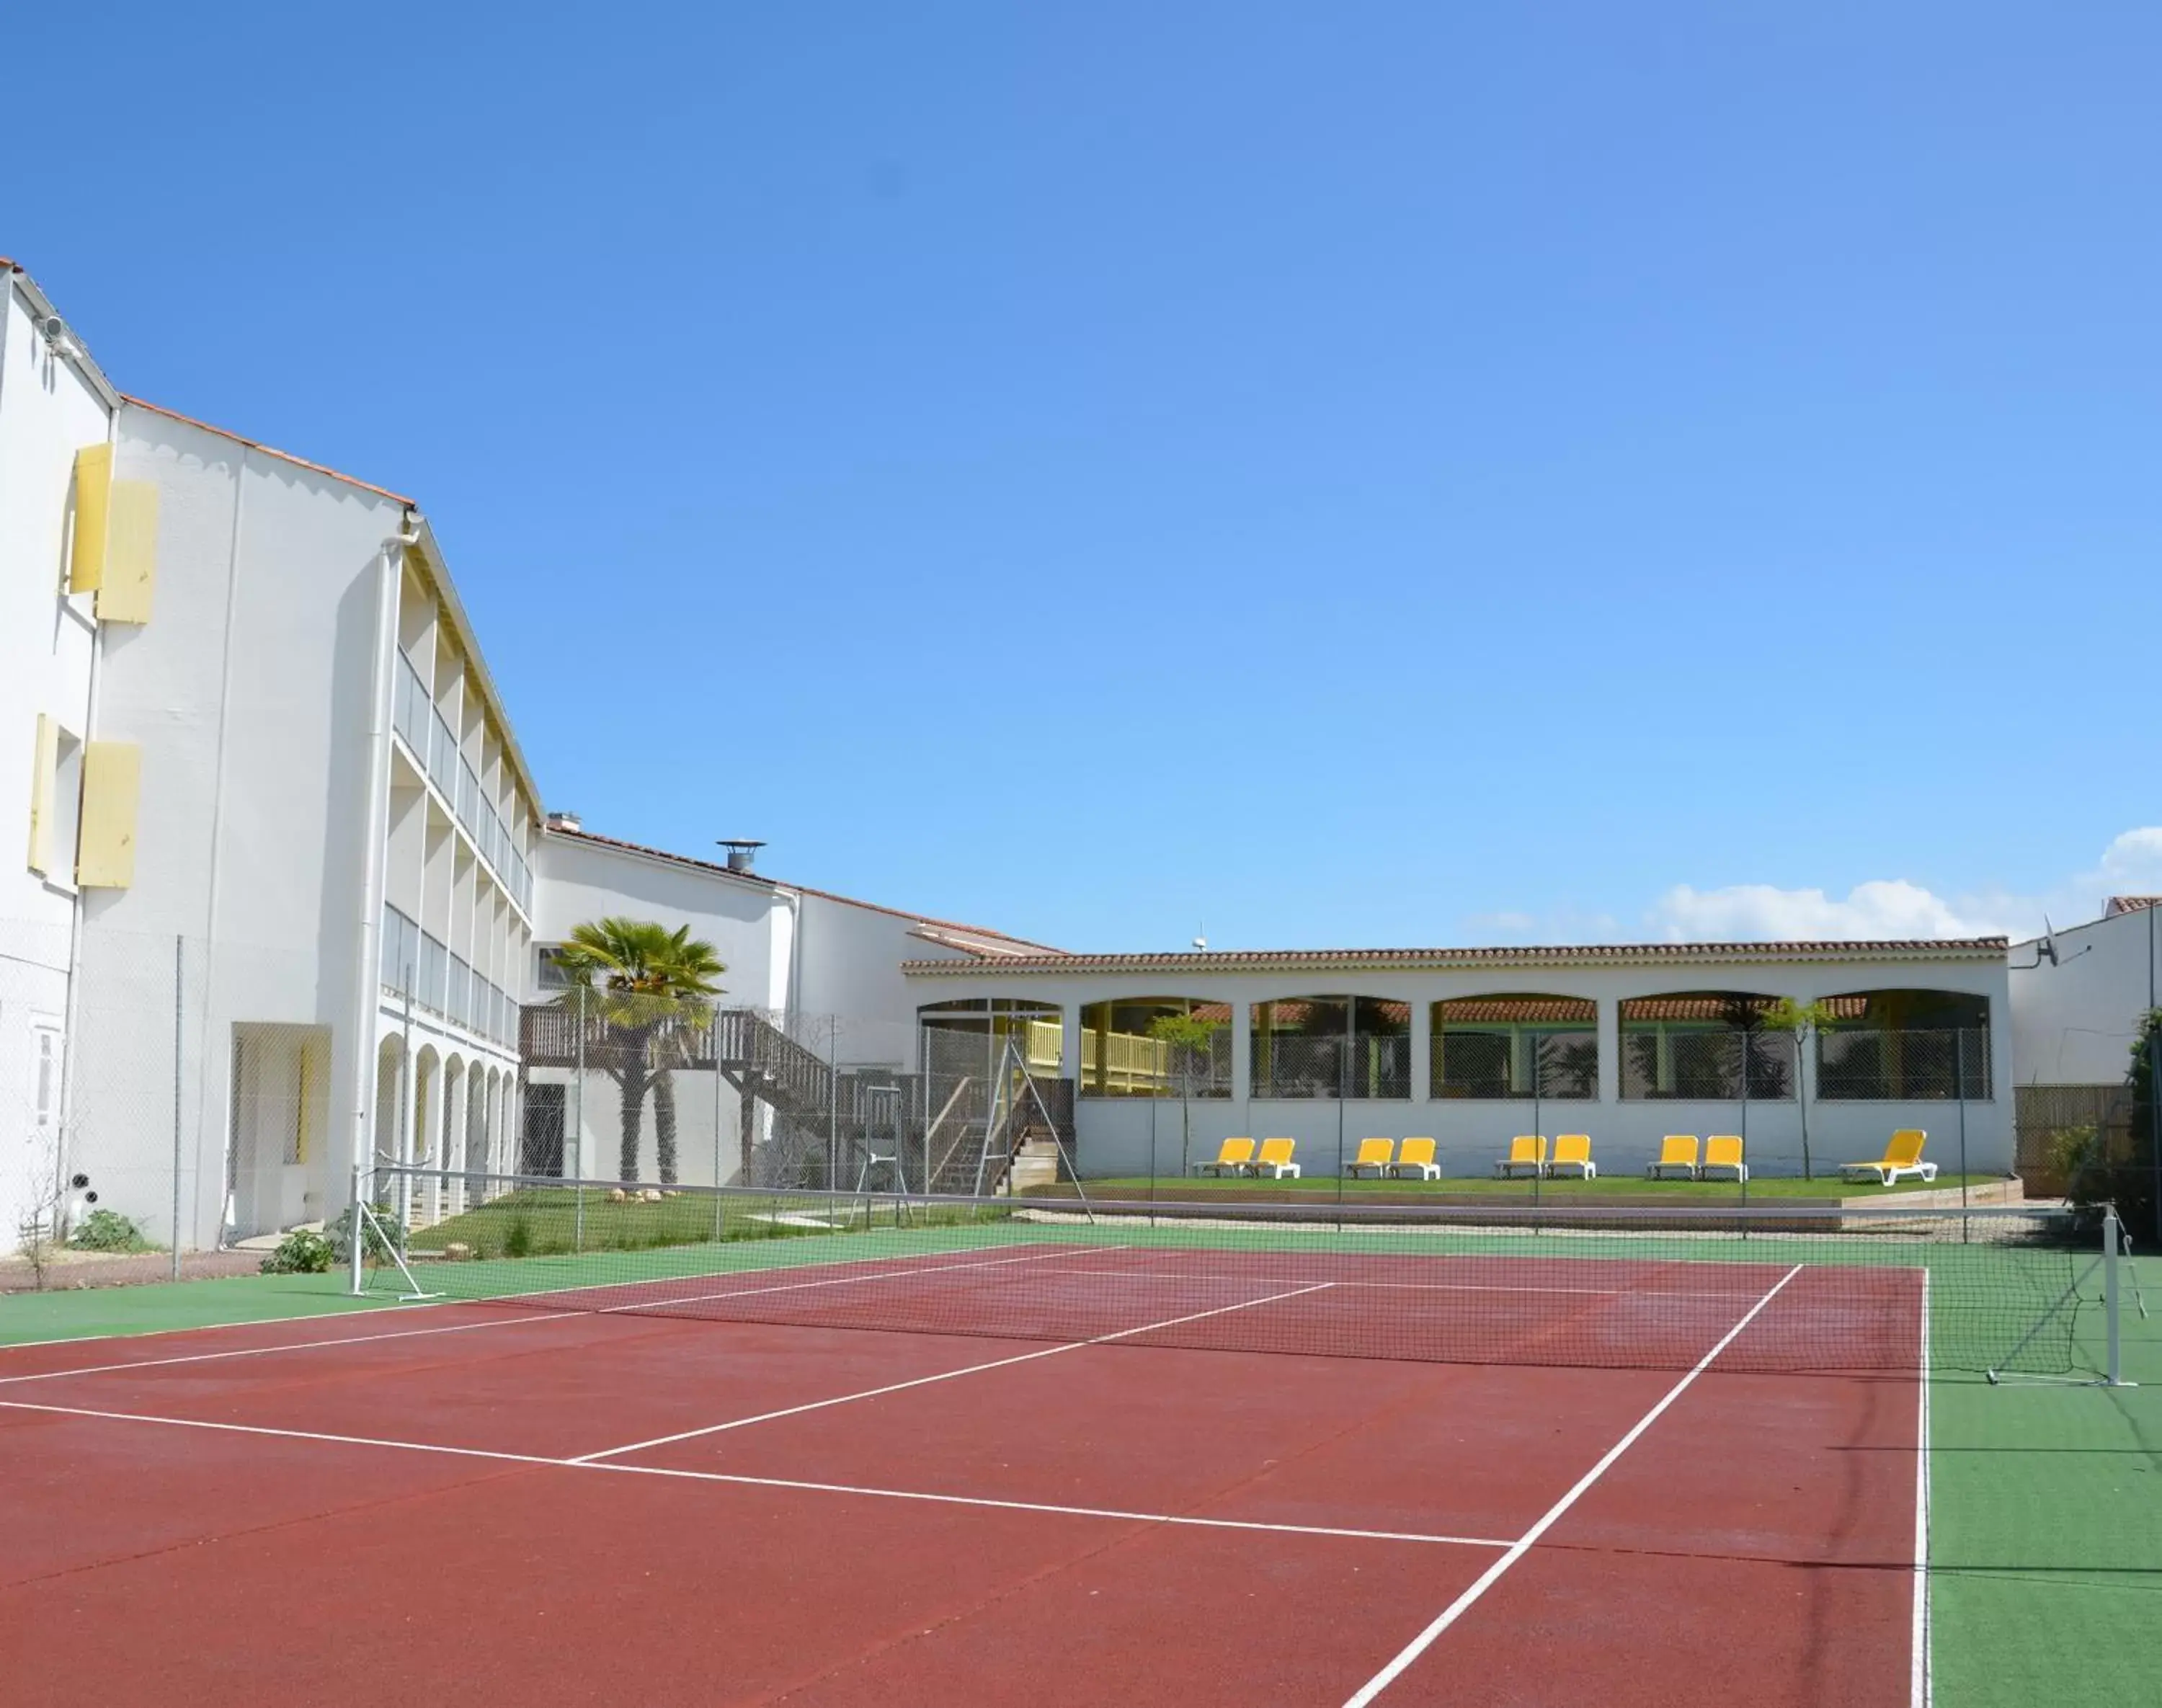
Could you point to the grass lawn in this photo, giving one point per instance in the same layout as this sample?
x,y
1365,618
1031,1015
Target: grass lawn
x,y
552,1221
1141,1186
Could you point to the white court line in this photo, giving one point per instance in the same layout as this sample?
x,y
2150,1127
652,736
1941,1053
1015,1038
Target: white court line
x,y
1922,1683
1486,1580
872,1393
518,1322
1187,1519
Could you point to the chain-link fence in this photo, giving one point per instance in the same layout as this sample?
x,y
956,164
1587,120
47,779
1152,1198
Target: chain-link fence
x,y
1723,1065
730,1096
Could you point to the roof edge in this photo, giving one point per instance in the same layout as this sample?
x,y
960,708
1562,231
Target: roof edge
x,y
1975,949
1041,951
159,408
18,275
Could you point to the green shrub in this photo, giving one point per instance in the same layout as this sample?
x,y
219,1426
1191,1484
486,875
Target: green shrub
x,y
302,1253
518,1242
2073,1151
108,1230
385,1239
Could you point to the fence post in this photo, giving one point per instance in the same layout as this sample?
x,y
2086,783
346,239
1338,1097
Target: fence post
x,y
2110,1241
579,1093
179,1012
1959,1073
352,1223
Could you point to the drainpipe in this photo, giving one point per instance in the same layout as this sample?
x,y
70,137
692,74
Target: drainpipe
x,y
73,1006
368,983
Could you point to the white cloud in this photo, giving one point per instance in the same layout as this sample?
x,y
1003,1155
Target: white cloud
x,y
2133,862
1894,907
1754,913
1882,907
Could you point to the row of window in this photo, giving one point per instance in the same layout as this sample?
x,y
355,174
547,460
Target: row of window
x,y
1698,1046
443,983
427,734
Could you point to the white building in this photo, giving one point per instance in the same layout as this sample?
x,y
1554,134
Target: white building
x,y
55,407
823,970
1471,1046
2077,996
266,773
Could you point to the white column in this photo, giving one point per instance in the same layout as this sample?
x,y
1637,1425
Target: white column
x,y
1421,1054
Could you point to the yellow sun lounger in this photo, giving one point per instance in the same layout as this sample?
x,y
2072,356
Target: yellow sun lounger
x,y
1676,1157
1572,1155
1373,1158
1275,1160
1416,1159
1236,1157
1527,1155
1722,1152
1902,1156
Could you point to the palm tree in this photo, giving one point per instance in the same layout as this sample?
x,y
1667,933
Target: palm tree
x,y
653,990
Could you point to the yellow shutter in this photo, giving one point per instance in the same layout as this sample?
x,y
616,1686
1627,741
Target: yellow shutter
x,y
93,490
131,555
43,764
111,777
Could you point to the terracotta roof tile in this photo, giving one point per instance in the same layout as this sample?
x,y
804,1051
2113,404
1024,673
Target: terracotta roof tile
x,y
1964,948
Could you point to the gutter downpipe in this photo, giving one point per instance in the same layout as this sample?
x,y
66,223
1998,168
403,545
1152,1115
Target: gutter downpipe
x,y
368,983
73,1004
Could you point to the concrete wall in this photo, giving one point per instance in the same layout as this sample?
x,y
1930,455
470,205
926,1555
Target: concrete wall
x,y
1114,1133
2073,1022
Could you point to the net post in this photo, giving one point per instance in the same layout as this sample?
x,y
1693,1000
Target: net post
x,y
2114,1365
359,1285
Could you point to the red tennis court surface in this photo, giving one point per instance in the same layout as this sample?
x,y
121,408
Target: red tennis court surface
x,y
493,1504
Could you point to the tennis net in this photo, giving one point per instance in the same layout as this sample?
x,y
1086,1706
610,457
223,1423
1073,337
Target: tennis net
x,y
1822,1288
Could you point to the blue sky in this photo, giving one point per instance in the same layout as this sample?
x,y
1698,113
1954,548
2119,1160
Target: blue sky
x,y
1334,474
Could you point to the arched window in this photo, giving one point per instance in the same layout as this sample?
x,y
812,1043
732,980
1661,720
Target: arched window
x,y
1332,1047
1515,1046
1156,1046
1901,1046
969,1035
1706,1046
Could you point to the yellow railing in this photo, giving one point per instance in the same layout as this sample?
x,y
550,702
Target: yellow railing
x,y
1123,1061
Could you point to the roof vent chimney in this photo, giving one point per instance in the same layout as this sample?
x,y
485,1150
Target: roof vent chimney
x,y
742,852
564,821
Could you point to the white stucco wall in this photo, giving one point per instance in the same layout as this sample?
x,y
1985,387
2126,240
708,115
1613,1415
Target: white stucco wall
x,y
1114,1133
2073,1023
849,959
50,407
251,693
576,879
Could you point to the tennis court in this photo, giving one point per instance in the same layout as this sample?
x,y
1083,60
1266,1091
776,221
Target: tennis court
x,y
1005,1459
